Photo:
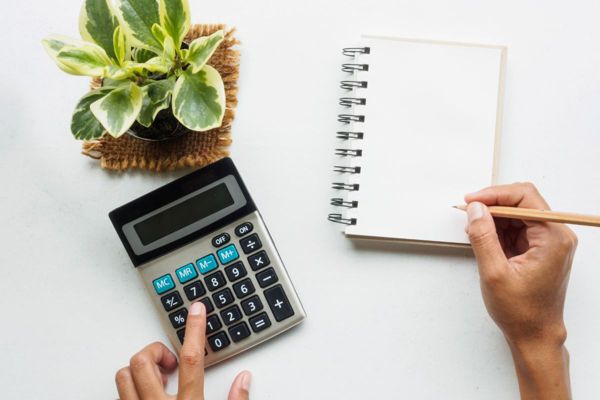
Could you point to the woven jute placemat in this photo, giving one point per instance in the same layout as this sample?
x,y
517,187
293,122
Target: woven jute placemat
x,y
193,149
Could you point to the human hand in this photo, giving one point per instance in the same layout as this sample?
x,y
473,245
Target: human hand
x,y
146,376
524,269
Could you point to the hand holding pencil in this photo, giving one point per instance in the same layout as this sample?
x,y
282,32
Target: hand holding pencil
x,y
524,268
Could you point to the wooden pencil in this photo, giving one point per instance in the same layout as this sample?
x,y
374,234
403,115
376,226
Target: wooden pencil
x,y
531,214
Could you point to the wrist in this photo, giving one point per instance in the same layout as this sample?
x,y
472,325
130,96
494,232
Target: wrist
x,y
542,368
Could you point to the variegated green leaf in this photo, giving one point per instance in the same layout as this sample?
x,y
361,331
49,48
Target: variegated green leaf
x,y
118,110
202,48
142,55
169,48
137,18
156,96
175,18
120,46
84,124
155,64
54,44
97,24
159,33
117,73
84,59
199,99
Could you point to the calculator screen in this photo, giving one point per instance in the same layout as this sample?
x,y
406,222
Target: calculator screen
x,y
163,223
183,214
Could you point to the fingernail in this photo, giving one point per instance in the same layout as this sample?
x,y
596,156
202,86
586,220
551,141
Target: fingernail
x,y
474,211
196,308
245,380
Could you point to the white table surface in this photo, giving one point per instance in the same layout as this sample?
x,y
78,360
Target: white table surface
x,y
383,322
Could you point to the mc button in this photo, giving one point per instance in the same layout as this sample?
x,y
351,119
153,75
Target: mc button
x,y
163,284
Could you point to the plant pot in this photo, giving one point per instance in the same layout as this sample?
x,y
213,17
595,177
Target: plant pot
x,y
164,127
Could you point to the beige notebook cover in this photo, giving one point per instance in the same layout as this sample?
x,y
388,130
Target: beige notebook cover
x,y
430,134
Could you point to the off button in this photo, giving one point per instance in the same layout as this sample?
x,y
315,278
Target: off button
x,y
243,229
221,239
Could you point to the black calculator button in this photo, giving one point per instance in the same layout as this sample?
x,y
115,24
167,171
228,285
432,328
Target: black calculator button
x,y
207,304
239,332
279,303
213,324
181,335
178,318
235,271
243,229
194,290
252,305
250,244
215,281
231,315
260,322
221,239
244,288
266,277
258,260
223,298
218,341
171,301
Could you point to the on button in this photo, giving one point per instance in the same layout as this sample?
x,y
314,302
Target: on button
x,y
243,229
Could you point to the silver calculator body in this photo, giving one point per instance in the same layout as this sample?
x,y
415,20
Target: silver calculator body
x,y
201,238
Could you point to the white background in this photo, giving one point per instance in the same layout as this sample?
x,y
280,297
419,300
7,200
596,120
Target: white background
x,y
383,322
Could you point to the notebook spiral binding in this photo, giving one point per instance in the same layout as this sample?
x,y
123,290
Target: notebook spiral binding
x,y
351,119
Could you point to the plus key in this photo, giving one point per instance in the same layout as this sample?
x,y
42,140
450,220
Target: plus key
x,y
278,303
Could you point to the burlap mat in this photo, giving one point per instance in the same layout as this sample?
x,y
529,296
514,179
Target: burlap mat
x,y
193,149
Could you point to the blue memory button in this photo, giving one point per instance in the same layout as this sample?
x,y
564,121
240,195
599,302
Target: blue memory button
x,y
163,284
228,254
186,273
207,264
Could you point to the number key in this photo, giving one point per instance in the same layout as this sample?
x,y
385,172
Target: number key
x,y
218,341
244,288
215,281
213,324
235,271
231,315
223,298
194,290
207,304
252,305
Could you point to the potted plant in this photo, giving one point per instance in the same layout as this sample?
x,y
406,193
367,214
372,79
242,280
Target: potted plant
x,y
152,82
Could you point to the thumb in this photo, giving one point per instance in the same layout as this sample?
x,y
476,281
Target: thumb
x,y
484,239
240,387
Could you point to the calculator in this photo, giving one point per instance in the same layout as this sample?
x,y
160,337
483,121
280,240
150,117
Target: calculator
x,y
201,238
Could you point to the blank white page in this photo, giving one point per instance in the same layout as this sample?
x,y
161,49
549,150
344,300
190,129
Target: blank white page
x,y
432,121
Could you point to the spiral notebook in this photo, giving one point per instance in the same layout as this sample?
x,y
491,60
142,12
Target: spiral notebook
x,y
419,127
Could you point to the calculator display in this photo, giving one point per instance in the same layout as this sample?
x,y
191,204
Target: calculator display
x,y
183,214
160,225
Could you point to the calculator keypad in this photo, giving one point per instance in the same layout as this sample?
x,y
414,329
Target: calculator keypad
x,y
235,296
